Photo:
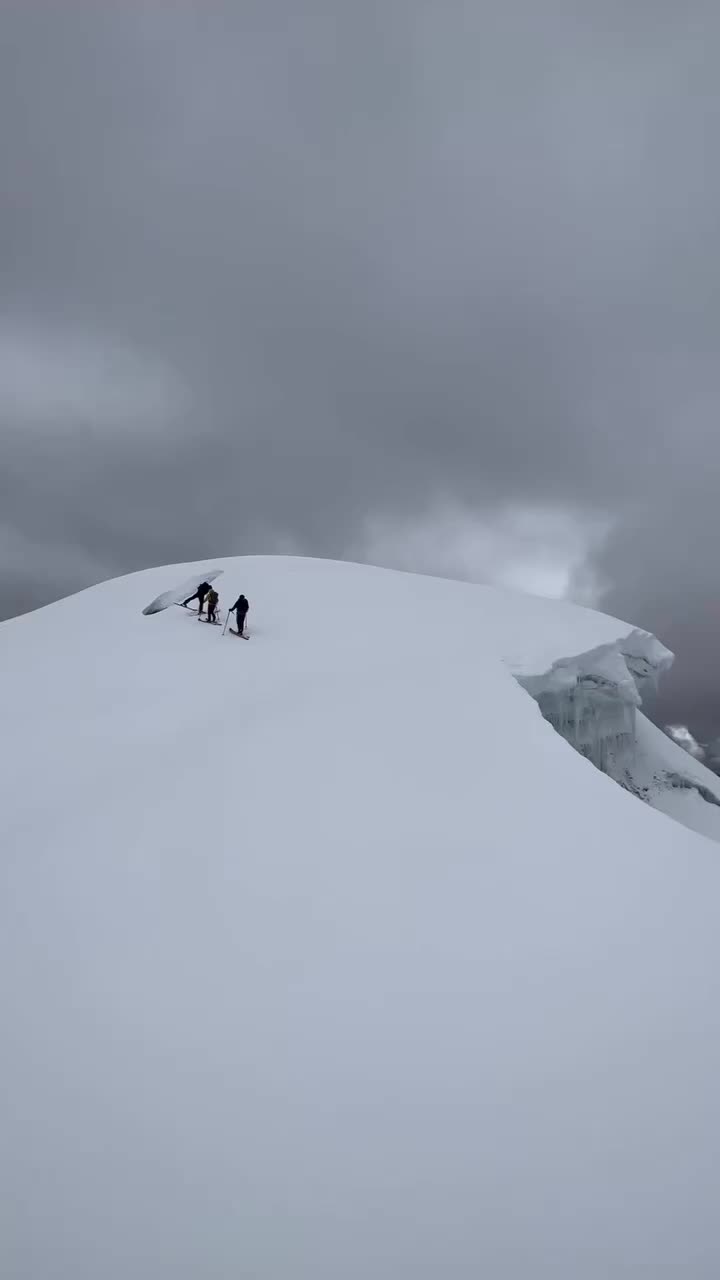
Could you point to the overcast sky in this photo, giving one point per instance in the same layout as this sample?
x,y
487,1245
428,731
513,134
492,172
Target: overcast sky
x,y
425,282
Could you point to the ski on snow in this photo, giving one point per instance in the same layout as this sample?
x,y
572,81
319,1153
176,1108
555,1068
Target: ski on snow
x,y
216,623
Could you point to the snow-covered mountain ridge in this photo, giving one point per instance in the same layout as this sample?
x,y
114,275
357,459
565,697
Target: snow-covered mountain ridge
x,y
324,955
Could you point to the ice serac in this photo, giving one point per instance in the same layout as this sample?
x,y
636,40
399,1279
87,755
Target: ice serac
x,y
592,699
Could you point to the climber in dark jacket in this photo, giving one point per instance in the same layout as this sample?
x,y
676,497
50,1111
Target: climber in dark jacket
x,y
200,595
240,609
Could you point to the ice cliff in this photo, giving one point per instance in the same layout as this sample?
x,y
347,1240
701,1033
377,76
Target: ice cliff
x,y
593,701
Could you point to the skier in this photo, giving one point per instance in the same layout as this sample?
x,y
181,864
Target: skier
x,y
212,604
240,609
200,595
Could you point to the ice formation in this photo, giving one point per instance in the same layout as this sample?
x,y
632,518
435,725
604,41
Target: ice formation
x,y
592,699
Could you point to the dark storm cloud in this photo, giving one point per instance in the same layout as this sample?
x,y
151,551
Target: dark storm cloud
x,y
663,567
282,267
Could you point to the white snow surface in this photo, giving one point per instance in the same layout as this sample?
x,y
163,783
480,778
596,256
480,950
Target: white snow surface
x,y
323,957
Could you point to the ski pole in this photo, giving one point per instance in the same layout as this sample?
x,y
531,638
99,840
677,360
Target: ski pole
x,y
227,619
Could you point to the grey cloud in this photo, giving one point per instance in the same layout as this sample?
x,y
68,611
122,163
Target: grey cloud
x,y
663,569
395,254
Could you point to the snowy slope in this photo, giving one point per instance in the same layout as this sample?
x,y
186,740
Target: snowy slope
x,y
324,956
